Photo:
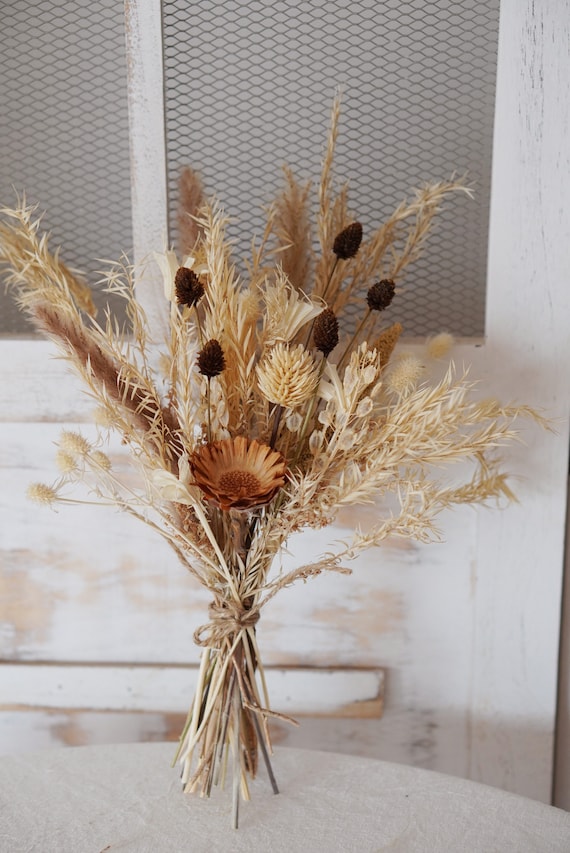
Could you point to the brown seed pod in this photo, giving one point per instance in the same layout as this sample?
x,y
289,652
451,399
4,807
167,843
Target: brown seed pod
x,y
347,242
325,332
189,289
211,360
381,294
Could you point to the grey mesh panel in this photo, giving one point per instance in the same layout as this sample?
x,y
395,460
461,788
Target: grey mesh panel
x,y
64,127
249,87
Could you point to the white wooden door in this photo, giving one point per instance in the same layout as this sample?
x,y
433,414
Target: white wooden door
x,y
96,620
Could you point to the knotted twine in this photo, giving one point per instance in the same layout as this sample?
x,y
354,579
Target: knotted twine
x,y
227,618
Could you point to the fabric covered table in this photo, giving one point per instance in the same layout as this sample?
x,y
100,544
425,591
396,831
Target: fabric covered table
x,y
128,798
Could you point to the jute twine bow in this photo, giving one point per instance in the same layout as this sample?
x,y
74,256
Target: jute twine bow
x,y
226,619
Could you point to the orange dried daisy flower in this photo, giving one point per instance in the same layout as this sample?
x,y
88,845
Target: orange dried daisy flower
x,y
238,473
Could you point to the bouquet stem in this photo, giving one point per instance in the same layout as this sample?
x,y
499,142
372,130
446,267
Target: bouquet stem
x,y
226,720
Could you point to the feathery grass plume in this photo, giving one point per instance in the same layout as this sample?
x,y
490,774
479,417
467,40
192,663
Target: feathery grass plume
x,y
190,201
292,228
386,342
30,265
440,345
278,443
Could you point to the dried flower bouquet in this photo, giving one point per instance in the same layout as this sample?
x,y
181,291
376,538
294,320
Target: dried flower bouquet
x,y
263,413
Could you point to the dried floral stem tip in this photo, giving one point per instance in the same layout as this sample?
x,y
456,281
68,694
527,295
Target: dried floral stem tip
x,y
238,473
386,342
380,295
325,332
347,242
189,289
211,360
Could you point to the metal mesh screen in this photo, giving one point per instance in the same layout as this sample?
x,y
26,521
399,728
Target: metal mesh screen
x,y
249,87
64,128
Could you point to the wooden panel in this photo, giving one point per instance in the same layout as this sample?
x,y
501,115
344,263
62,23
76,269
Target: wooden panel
x,y
520,554
316,692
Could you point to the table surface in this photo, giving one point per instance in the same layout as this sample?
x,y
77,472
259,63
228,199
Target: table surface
x,y
128,798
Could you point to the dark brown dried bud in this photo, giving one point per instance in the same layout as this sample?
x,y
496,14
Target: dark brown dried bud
x,y
347,243
381,294
211,360
325,332
189,289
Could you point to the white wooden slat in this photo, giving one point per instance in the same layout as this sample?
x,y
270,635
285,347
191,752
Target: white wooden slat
x,y
143,25
561,797
313,691
36,385
518,569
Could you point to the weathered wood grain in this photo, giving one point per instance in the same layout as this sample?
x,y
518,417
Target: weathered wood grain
x,y
312,691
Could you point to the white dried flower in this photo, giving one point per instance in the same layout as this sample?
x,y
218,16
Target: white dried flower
x,y
325,416
369,374
103,417
405,376
41,493
66,462
293,422
364,407
74,443
287,311
98,459
346,440
287,376
440,345
316,441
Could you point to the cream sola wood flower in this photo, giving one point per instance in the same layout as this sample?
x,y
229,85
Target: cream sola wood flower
x,y
287,311
238,473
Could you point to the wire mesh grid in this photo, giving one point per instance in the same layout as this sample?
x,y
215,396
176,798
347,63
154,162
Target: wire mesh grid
x,y
248,87
64,129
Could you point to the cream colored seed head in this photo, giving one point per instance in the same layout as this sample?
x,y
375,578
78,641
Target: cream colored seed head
x,y
405,375
41,493
287,376
440,345
100,460
74,443
65,462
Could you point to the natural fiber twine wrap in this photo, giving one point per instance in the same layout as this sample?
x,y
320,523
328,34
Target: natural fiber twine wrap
x,y
227,618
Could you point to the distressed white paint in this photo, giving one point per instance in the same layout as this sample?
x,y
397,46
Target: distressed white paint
x,y
467,630
170,689
148,150
562,757
520,553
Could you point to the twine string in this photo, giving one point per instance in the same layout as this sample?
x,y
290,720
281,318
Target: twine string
x,y
227,618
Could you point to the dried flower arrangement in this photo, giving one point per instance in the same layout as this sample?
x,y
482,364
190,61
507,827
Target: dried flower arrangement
x,y
261,416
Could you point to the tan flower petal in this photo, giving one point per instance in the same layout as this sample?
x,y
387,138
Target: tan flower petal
x,y
238,473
